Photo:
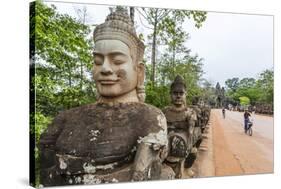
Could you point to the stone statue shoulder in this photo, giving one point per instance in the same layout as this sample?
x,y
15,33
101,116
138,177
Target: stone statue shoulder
x,y
192,114
196,108
174,115
104,133
53,130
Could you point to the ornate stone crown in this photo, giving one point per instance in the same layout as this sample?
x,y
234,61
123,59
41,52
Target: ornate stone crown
x,y
178,82
118,25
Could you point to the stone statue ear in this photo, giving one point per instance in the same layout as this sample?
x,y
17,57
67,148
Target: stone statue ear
x,y
141,73
140,84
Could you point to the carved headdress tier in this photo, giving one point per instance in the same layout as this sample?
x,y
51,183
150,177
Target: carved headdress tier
x,y
178,82
118,25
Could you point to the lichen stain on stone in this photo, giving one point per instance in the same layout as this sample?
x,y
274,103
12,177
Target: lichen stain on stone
x,y
149,173
70,181
94,134
63,165
161,120
134,149
89,168
93,139
90,179
67,156
107,166
140,140
78,180
114,180
73,151
156,139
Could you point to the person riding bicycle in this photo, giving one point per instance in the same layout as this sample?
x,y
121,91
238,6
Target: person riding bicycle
x,y
247,116
223,112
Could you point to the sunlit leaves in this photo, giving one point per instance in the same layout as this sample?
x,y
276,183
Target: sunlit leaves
x,y
244,100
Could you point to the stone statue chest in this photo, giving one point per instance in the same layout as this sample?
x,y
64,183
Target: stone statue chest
x,y
176,119
101,134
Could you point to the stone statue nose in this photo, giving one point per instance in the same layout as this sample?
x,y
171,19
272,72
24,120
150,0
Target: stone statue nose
x,y
106,67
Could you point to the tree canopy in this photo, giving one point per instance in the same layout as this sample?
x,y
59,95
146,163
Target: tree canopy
x,y
61,56
258,90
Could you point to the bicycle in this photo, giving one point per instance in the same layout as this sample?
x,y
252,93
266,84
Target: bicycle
x,y
249,130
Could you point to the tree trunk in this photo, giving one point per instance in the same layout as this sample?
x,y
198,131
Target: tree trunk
x,y
132,14
81,66
153,54
173,61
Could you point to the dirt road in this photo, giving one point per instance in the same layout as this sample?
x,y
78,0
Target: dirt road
x,y
235,153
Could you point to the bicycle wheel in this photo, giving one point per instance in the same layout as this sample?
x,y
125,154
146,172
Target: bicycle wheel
x,y
250,131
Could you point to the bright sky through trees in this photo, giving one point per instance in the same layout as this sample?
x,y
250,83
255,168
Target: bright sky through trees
x,y
232,45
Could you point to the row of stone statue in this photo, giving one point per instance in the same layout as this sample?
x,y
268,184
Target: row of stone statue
x,y
120,138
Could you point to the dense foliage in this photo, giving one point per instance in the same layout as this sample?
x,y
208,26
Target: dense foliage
x,y
62,60
258,90
174,57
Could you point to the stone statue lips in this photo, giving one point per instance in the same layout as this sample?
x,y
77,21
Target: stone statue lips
x,y
178,101
106,81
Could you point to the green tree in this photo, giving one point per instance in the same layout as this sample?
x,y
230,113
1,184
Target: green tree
x,y
232,84
247,83
61,57
62,60
159,19
207,93
256,90
174,37
266,84
244,100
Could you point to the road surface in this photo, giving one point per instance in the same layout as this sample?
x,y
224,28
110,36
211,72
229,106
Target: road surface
x,y
263,125
235,152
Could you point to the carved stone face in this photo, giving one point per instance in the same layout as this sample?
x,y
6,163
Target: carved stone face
x,y
178,95
114,72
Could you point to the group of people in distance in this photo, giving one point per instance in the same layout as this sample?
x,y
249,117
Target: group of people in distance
x,y
246,115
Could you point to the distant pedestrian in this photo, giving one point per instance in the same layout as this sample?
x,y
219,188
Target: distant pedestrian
x,y
223,113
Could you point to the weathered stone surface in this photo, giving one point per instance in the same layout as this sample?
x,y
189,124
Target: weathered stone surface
x,y
119,138
182,128
100,137
180,123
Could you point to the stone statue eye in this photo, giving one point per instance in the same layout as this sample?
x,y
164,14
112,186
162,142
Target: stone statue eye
x,y
98,60
118,61
118,58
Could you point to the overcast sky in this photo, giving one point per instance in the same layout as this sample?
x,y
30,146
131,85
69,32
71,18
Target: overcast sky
x,y
232,45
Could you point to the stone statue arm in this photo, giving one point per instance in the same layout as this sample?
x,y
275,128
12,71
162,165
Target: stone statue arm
x,y
200,118
192,119
48,140
151,152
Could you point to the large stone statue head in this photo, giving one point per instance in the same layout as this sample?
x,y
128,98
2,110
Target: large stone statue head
x,y
178,92
118,68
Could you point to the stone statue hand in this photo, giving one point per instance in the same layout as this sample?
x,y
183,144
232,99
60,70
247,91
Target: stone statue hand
x,y
138,176
156,146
